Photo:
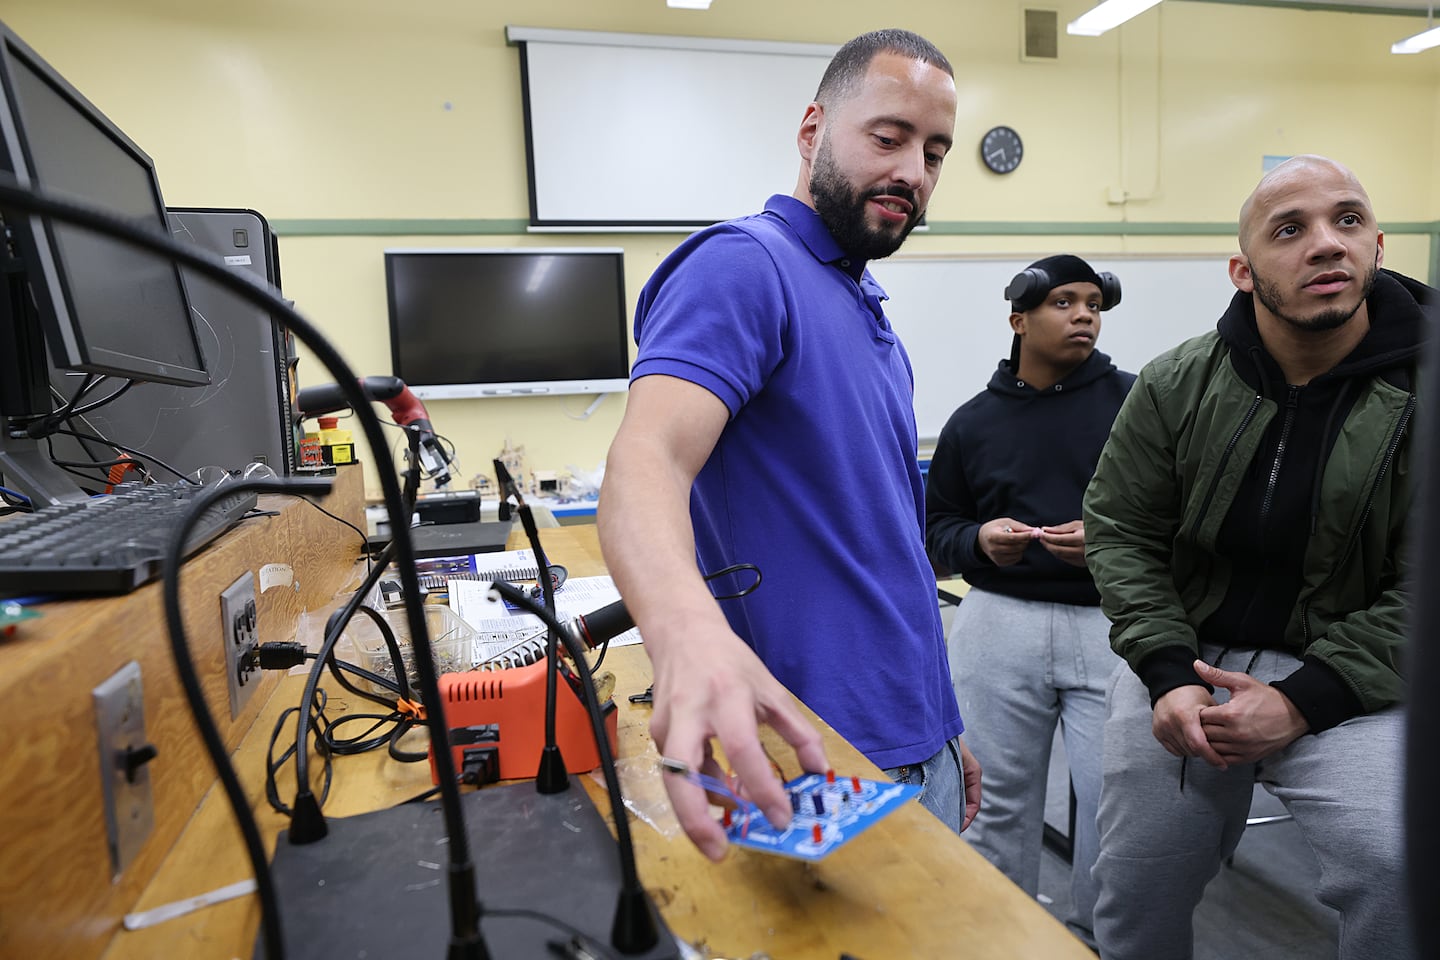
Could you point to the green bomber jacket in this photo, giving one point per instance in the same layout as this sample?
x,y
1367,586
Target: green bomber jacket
x,y
1176,456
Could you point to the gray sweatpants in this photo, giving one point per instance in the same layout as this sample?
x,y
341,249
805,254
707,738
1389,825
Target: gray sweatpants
x,y
1160,845
1020,666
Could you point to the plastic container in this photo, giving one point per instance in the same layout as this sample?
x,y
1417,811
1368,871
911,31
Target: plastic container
x,y
451,639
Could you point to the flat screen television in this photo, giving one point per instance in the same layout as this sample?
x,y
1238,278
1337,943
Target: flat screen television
x,y
508,322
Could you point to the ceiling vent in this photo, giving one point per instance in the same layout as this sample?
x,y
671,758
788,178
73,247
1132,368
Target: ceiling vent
x,y
1040,39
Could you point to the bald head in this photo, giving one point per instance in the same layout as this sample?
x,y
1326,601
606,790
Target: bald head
x,y
1259,207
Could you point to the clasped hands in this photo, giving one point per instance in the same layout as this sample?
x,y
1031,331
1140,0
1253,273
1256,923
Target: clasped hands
x,y
1255,722
1004,540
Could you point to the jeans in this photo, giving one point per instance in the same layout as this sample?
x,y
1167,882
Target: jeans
x,y
941,781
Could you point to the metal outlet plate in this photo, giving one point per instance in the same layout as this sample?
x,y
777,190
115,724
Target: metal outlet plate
x,y
239,634
129,804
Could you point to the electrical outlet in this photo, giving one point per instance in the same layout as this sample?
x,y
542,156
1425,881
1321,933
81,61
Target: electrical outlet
x,y
239,634
125,754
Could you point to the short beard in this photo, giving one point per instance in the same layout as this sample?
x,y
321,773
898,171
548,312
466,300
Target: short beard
x,y
842,209
1273,300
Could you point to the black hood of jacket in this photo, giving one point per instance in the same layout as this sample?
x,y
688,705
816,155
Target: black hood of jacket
x,y
1096,366
1388,350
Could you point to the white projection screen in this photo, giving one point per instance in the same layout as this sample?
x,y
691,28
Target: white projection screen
x,y
638,131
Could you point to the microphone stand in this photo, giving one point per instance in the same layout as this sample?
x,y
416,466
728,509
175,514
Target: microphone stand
x,y
635,928
307,823
551,777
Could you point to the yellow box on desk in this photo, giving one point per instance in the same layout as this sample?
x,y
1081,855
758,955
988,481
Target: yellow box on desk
x,y
337,446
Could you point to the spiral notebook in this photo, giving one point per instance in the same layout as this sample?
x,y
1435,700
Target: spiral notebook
x,y
436,572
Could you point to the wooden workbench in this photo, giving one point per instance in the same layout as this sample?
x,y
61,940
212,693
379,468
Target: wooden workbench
x,y
907,888
58,895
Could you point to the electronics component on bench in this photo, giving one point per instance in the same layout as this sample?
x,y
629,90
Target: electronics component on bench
x,y
497,724
828,811
592,629
404,406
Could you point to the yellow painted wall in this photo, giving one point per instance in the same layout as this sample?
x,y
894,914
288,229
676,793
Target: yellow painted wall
x,y
369,109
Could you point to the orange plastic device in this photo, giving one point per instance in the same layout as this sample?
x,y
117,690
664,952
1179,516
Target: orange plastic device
x,y
497,723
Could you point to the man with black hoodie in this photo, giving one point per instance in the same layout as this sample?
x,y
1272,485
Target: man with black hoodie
x,y
1029,646
1245,529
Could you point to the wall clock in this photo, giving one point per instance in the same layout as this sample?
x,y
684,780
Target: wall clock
x,y
1001,149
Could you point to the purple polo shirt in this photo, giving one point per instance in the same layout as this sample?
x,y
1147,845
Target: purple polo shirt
x,y
814,478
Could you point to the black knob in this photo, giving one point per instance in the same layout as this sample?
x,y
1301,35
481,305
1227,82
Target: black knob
x,y
137,757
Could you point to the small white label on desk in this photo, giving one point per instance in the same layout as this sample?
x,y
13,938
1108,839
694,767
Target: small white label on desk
x,y
240,260
276,575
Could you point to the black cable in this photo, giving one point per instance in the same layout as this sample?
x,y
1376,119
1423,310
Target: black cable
x,y
98,464
600,658
79,415
405,756
591,946
323,727
422,797
65,409
85,476
312,826
630,875
465,937
309,825
124,449
200,710
723,571
736,568
364,540
361,742
400,685
45,424
273,765
97,404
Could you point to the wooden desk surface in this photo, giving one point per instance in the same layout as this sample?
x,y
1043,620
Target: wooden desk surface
x,y
907,888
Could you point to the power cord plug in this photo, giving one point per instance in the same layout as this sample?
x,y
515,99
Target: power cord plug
x,y
280,656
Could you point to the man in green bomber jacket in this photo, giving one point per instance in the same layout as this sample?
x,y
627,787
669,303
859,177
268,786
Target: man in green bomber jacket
x,y
1245,530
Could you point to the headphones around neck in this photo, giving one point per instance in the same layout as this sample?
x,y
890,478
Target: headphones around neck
x,y
1030,286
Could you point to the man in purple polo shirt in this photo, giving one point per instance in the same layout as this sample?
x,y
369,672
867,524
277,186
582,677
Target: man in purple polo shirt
x,y
770,422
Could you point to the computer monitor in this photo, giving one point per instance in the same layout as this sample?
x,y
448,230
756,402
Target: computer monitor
x,y
102,306
508,322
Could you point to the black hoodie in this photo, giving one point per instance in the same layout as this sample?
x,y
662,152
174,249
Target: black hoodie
x,y
1014,451
1268,528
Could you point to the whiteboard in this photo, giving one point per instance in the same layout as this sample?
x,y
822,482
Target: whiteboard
x,y
636,130
952,316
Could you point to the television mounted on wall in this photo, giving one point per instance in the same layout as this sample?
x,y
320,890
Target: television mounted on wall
x,y
508,322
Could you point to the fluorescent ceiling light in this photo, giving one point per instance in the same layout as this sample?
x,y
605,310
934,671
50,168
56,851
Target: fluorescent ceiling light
x,y
1107,16
1421,41
689,4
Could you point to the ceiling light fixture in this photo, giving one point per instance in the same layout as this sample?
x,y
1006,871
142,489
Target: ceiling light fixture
x,y
1423,40
1107,16
688,4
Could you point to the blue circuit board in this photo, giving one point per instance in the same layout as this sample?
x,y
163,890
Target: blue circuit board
x,y
828,814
